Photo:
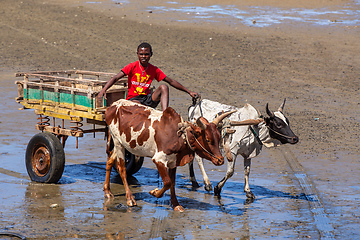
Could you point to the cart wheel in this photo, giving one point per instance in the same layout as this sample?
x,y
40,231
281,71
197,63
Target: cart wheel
x,y
132,163
45,158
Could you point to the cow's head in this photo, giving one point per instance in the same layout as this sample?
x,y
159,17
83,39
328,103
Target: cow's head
x,y
279,127
207,139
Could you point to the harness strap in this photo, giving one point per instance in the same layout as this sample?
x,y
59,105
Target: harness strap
x,y
255,135
278,133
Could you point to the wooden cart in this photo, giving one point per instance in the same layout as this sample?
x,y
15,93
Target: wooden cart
x,y
71,97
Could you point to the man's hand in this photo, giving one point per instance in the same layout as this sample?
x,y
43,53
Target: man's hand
x,y
195,95
99,98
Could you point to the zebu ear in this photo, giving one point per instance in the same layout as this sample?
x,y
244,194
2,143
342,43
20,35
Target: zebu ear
x,y
201,122
270,113
267,121
281,108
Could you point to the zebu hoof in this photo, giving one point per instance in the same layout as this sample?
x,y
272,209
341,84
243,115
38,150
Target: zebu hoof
x,y
179,208
155,193
249,201
217,191
208,187
250,195
131,202
108,195
195,185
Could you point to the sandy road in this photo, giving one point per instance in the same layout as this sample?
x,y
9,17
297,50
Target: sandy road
x,y
315,68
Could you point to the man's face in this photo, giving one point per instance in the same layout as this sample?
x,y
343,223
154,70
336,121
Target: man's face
x,y
144,56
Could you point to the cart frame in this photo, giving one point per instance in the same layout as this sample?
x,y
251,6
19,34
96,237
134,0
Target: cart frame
x,y
66,95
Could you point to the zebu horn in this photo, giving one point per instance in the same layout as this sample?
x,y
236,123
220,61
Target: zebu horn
x,y
280,109
222,116
200,123
271,114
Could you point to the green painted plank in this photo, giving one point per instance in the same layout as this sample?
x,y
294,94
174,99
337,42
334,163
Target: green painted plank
x,y
63,98
50,96
83,101
33,94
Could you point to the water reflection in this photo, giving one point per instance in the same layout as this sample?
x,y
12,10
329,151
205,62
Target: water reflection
x,y
44,200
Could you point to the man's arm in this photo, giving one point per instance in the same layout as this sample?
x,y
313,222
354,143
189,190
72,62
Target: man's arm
x,y
111,82
178,86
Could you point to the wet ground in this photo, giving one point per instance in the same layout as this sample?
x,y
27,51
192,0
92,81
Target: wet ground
x,y
309,190
76,207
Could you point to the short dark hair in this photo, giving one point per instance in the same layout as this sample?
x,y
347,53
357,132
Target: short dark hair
x,y
145,45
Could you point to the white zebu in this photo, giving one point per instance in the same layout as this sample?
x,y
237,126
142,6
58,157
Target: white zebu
x,y
246,141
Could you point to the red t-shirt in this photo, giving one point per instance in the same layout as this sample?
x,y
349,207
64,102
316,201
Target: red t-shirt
x,y
139,79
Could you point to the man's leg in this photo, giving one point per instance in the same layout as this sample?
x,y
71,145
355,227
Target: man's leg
x,y
162,94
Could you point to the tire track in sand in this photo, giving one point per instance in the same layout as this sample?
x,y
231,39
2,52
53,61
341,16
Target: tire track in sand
x,y
321,219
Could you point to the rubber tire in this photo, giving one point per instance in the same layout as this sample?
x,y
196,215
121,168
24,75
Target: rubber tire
x,y
46,145
132,163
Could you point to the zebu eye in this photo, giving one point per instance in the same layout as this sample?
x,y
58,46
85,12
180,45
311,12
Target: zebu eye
x,y
278,125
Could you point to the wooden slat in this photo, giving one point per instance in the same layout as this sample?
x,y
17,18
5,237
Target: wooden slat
x,y
21,74
64,113
72,80
45,85
60,131
94,73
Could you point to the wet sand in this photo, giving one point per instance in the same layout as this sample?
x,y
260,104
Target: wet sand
x,y
315,67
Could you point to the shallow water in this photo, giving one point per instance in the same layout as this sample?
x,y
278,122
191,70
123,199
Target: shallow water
x,y
347,14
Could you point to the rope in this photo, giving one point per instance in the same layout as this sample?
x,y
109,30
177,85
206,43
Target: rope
x,y
183,132
278,133
206,150
188,142
195,104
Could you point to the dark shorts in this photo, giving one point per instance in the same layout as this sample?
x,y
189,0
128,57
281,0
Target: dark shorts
x,y
146,100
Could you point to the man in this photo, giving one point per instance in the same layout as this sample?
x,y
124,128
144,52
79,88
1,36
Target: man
x,y
140,75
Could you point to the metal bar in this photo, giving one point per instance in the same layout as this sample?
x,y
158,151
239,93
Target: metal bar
x,y
95,130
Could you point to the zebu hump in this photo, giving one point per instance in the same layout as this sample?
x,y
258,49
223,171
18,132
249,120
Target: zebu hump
x,y
209,109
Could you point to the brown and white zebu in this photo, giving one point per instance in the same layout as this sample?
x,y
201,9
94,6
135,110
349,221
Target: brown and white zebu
x,y
162,136
243,133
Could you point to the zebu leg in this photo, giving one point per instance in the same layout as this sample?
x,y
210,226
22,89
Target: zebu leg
x,y
119,157
130,200
109,164
194,183
174,202
229,172
247,164
207,183
111,158
163,171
